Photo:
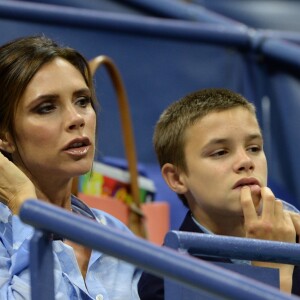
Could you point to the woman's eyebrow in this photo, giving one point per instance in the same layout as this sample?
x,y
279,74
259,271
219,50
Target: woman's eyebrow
x,y
79,92
54,96
41,98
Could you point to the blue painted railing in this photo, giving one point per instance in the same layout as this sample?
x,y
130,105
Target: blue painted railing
x,y
216,31
183,11
87,18
188,271
234,247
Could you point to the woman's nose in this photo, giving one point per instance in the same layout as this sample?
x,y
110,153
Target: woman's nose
x,y
74,120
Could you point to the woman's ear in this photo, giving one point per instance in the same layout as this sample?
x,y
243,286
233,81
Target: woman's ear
x,y
7,143
173,178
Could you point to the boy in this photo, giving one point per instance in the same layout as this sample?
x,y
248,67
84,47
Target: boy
x,y
210,149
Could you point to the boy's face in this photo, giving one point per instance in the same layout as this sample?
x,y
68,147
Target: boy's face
x,y
223,150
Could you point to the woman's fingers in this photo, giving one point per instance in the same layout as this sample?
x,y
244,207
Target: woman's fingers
x,y
15,186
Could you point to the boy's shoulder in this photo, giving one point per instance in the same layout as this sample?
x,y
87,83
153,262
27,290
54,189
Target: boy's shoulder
x,y
289,206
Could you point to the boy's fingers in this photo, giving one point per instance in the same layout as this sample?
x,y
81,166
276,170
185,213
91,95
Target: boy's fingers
x,y
296,221
278,209
247,204
268,200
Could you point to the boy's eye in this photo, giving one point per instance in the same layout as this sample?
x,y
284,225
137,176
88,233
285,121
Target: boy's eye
x,y
219,153
254,149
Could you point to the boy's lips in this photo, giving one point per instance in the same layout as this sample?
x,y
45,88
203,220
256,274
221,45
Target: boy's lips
x,y
249,181
252,183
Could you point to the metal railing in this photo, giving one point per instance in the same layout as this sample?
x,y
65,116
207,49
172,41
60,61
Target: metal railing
x,y
161,261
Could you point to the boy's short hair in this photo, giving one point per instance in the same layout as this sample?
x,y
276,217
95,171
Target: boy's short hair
x,y
169,133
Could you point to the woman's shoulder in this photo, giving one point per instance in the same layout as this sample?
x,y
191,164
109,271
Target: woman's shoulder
x,y
109,220
101,216
5,214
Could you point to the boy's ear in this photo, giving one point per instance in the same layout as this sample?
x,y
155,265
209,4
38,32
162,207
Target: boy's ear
x,y
173,178
7,143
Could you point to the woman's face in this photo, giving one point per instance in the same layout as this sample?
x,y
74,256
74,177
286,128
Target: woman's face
x,y
55,123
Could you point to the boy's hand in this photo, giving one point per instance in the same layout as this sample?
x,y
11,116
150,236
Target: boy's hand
x,y
274,223
15,186
296,221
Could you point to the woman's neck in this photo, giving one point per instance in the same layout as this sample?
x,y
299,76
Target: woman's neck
x,y
56,194
50,188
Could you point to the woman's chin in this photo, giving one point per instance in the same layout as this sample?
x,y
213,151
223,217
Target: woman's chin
x,y
81,171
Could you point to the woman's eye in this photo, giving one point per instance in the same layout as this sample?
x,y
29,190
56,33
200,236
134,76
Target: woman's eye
x,y
83,101
45,108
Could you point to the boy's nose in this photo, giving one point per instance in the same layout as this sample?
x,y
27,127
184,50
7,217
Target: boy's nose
x,y
244,162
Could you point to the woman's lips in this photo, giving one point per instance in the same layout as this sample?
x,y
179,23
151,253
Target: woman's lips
x,y
78,152
77,143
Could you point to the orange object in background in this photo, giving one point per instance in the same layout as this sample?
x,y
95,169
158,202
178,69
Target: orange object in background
x,y
157,214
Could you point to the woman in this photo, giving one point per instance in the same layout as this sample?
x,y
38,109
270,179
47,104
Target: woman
x,y
47,131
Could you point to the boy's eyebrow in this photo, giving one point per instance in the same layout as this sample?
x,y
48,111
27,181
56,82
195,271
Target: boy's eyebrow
x,y
216,141
255,136
250,137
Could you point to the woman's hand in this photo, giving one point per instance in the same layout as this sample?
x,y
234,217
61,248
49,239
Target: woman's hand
x,y
15,186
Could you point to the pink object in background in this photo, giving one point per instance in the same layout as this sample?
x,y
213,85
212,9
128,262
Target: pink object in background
x,y
157,214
